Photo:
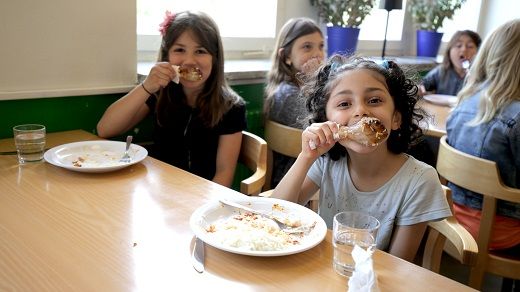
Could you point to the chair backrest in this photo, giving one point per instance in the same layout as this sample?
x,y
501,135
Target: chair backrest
x,y
480,176
448,232
282,139
253,154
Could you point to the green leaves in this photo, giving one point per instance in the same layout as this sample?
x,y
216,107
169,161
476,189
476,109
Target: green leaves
x,y
430,14
345,13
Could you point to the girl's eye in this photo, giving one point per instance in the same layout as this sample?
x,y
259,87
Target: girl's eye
x,y
307,47
201,51
344,104
374,100
178,50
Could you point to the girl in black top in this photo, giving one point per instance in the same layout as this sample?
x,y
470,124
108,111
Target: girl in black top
x,y
197,121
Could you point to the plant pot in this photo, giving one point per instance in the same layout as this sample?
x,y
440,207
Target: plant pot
x,y
341,40
428,43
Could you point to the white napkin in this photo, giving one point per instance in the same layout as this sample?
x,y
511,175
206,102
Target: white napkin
x,y
176,79
363,278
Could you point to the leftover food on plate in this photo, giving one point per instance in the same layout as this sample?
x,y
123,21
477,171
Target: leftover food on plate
x,y
249,233
97,156
252,232
94,156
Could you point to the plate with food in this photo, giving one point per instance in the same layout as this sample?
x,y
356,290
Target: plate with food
x,y
94,156
244,232
441,99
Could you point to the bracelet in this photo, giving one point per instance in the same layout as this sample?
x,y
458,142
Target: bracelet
x,y
149,93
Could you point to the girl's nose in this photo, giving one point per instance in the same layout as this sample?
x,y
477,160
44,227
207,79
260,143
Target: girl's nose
x,y
360,110
318,53
189,59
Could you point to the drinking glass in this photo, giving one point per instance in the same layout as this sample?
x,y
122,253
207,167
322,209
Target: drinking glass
x,y
350,229
30,142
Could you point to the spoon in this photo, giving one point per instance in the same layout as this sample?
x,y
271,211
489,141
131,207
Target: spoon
x,y
465,64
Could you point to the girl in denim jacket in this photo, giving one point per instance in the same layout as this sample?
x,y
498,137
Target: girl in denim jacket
x,y
486,124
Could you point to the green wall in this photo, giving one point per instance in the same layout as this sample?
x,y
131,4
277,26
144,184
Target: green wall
x,y
83,112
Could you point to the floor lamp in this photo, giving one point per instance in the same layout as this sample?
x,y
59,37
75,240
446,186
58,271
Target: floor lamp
x,y
389,5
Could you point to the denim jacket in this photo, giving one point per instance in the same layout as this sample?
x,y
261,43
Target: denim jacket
x,y
497,140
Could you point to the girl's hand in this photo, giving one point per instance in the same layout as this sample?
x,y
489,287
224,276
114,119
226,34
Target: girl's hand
x,y
160,75
318,138
311,66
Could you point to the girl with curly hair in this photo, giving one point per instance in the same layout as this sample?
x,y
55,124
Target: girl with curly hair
x,y
381,180
198,118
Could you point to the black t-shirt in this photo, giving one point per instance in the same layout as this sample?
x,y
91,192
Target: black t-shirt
x,y
183,141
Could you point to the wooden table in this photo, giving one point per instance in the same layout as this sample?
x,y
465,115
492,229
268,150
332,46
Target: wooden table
x,y
128,231
51,140
439,114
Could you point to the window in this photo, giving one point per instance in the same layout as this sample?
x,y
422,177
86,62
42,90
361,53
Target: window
x,y
373,26
241,31
249,27
466,17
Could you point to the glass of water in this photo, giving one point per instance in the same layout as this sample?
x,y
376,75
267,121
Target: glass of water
x,y
350,229
30,142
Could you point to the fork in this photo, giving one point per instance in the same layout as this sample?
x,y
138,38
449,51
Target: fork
x,y
126,158
283,226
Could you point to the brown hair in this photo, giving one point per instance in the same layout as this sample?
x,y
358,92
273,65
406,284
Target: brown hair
x,y
280,71
216,97
446,60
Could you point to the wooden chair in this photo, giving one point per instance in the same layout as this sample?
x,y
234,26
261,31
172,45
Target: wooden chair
x,y
281,139
253,154
287,141
481,176
448,231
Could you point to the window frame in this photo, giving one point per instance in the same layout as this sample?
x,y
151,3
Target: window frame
x,y
261,48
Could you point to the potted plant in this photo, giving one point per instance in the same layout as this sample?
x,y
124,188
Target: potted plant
x,y
343,19
428,16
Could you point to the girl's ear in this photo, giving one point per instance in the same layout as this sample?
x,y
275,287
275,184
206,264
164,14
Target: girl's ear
x,y
282,55
396,120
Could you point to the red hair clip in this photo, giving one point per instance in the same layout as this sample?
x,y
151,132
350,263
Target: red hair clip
x,y
168,19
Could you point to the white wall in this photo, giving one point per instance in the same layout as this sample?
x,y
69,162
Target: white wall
x,y
66,47
496,12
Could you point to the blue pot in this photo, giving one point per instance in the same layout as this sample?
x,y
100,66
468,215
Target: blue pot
x,y
341,40
428,43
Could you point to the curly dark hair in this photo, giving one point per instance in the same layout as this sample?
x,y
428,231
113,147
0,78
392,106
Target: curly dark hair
x,y
403,90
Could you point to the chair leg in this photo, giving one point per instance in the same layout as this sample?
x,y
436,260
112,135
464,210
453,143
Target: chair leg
x,y
476,276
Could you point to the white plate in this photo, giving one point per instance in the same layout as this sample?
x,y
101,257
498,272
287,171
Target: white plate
x,y
214,211
99,156
441,99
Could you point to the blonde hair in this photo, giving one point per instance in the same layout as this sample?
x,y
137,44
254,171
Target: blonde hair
x,y
495,67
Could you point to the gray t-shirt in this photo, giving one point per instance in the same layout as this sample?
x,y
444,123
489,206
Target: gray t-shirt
x,y
413,195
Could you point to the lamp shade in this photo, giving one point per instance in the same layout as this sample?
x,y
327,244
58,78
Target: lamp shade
x,y
390,4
